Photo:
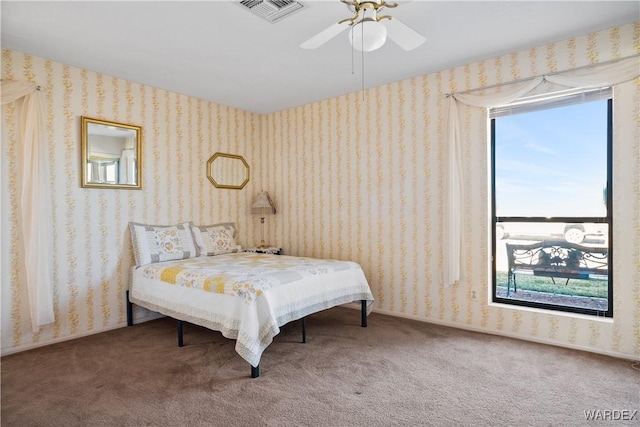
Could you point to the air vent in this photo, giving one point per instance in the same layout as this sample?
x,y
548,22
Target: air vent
x,y
271,10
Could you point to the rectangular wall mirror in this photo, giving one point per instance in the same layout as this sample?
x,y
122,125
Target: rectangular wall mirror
x,y
111,154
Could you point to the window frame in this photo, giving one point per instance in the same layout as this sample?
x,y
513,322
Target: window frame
x,y
608,219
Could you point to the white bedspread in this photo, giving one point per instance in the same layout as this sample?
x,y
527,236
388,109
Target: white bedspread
x,y
247,296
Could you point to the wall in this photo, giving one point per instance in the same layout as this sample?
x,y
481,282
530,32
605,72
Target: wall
x,y
352,179
364,180
92,251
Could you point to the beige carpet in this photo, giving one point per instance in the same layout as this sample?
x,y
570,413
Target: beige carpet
x,y
396,372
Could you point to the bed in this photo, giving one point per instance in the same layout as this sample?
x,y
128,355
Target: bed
x,y
246,296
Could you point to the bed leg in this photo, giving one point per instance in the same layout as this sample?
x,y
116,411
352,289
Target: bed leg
x,y
304,331
180,341
255,371
129,311
363,315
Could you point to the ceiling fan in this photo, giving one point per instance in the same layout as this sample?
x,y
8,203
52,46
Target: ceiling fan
x,y
368,32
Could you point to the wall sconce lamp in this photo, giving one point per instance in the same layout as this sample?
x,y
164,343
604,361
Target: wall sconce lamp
x,y
262,205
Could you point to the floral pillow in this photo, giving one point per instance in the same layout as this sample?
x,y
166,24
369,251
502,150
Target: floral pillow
x,y
216,239
157,243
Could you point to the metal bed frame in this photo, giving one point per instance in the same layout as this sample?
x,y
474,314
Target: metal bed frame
x,y
255,370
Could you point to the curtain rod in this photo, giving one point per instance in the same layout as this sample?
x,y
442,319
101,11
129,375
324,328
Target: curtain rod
x,y
611,61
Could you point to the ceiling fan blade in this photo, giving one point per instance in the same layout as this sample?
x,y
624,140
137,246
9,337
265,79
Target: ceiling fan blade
x,y
325,35
406,37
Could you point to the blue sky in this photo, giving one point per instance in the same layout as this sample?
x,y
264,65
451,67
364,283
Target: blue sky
x,y
552,162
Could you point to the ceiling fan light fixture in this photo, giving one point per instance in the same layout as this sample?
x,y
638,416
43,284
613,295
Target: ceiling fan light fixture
x,y
368,35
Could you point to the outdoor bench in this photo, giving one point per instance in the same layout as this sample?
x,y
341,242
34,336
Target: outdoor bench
x,y
556,259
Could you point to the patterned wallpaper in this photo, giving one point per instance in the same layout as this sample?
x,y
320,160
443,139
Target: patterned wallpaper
x,y
363,179
92,249
355,177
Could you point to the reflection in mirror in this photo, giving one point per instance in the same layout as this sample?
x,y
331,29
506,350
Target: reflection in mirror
x,y
228,171
111,154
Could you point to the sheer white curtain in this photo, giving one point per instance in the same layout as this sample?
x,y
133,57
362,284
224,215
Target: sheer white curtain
x,y
35,201
127,171
127,167
594,76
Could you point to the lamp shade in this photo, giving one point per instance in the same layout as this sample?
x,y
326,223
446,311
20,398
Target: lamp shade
x,y
368,35
262,204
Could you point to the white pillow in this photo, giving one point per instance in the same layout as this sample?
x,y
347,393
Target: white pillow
x,y
157,243
216,239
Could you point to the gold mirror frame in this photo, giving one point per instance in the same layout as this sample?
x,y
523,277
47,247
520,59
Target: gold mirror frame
x,y
111,155
228,171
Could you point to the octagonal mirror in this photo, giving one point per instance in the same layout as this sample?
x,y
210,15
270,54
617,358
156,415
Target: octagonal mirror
x,y
228,171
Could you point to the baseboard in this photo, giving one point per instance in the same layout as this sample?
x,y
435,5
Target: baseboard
x,y
141,319
150,315
615,354
31,346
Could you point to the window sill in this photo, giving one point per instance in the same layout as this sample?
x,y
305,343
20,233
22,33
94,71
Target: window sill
x,y
558,313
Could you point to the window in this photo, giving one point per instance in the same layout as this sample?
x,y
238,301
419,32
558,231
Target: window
x,y
551,202
103,171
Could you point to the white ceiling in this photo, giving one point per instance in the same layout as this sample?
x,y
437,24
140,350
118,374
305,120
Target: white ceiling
x,y
220,52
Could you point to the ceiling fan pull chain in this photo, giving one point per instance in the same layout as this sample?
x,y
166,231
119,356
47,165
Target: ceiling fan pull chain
x,y
353,56
362,53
